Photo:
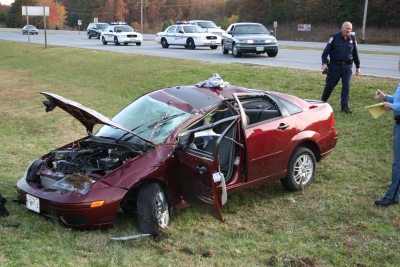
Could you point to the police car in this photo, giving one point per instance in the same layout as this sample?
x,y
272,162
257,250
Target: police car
x,y
187,35
121,33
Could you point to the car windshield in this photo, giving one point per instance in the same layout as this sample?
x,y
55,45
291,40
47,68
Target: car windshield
x,y
251,29
207,24
123,29
148,118
101,26
192,29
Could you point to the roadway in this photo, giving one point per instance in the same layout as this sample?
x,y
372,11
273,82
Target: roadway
x,y
310,58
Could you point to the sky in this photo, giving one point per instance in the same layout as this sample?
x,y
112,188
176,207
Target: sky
x,y
6,2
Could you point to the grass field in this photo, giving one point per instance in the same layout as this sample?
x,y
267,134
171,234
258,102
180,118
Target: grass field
x,y
334,222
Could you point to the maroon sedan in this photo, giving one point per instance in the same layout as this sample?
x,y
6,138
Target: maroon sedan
x,y
174,147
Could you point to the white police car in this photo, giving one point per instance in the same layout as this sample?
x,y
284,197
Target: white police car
x,y
121,33
187,35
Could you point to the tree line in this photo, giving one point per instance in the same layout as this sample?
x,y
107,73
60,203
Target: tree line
x,y
154,15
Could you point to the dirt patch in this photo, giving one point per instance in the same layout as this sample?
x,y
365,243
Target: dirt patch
x,y
293,262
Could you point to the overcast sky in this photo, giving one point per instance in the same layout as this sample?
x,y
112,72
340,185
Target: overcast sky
x,y
6,2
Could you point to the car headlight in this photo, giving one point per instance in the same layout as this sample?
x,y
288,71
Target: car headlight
x,y
245,42
82,188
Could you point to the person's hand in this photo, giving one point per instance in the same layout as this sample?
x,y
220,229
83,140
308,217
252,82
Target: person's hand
x,y
358,71
387,106
379,95
324,66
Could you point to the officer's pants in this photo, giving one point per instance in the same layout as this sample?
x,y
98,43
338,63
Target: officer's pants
x,y
393,191
335,74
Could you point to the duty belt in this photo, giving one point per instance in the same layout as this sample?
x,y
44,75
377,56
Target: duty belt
x,y
342,63
397,119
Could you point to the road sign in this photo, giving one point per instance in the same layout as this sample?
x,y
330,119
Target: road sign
x,y
79,22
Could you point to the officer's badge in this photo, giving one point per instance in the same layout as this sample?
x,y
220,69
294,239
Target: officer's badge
x,y
351,41
330,40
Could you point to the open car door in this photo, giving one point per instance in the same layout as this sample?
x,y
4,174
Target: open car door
x,y
201,181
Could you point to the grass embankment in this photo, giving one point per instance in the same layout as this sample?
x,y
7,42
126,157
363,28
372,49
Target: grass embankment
x,y
332,223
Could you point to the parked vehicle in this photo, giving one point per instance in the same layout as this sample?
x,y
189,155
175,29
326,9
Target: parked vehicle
x,y
245,37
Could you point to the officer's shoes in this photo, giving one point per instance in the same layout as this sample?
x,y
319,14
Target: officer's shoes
x,y
384,202
347,110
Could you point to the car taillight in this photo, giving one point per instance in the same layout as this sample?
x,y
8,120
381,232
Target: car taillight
x,y
332,120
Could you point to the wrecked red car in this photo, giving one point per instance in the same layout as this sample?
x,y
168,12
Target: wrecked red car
x,y
174,147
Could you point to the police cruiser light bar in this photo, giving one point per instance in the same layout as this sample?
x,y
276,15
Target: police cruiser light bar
x,y
179,22
119,23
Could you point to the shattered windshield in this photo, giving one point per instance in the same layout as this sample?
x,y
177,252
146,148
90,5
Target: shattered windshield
x,y
149,118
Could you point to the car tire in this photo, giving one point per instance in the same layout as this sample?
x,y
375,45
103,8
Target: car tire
x,y
164,43
152,209
235,52
272,54
301,170
138,44
224,50
103,41
116,41
190,44
89,36
98,36
214,46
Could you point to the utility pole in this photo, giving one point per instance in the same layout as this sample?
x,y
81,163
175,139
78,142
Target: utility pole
x,y
141,14
364,21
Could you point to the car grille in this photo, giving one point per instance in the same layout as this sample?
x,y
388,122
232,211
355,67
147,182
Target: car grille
x,y
74,220
132,35
211,37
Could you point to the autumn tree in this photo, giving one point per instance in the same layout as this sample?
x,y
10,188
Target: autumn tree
x,y
57,16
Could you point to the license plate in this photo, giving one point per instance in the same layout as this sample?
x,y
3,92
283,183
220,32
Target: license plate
x,y
33,203
213,42
133,40
259,48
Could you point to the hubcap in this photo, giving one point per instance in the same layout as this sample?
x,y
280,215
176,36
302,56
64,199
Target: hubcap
x,y
303,170
162,212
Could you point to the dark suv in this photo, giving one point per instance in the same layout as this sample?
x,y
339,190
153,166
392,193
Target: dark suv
x,y
95,29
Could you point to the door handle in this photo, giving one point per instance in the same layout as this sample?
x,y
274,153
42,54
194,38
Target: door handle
x,y
201,169
283,126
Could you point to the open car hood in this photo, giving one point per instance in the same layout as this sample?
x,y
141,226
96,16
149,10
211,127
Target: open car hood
x,y
88,117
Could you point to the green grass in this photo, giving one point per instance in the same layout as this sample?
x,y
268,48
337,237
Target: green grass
x,y
332,223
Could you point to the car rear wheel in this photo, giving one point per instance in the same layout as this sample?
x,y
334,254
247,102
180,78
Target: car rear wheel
x,y
301,170
214,46
190,44
164,43
98,36
235,52
138,44
103,40
272,54
224,50
116,41
152,209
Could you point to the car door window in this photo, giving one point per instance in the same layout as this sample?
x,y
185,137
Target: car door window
x,y
171,29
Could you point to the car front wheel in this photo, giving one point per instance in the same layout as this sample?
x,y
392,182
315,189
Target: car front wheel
x,y
104,41
98,36
272,54
164,43
190,44
89,36
235,52
138,44
214,46
152,209
116,41
301,170
224,50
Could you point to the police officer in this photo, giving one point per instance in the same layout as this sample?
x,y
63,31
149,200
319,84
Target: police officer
x,y
342,51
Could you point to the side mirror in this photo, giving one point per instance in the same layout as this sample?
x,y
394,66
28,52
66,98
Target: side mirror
x,y
229,32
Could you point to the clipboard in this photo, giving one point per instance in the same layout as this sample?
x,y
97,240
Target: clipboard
x,y
376,110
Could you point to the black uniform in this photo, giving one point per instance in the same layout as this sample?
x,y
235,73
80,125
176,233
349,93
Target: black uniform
x,y
342,53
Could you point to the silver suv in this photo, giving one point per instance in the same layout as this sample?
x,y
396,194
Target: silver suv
x,y
209,26
95,29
